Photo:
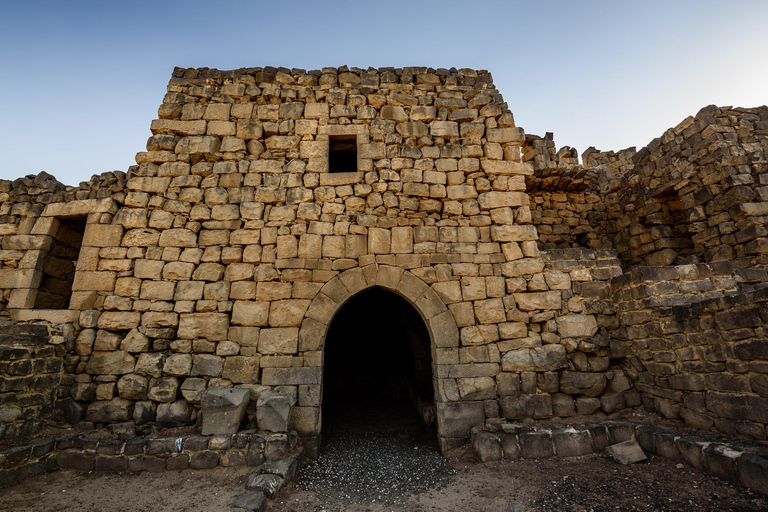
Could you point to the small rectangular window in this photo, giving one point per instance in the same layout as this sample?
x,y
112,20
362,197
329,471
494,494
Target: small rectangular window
x,y
342,154
59,265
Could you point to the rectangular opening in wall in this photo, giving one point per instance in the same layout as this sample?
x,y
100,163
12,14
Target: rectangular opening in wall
x,y
342,154
59,265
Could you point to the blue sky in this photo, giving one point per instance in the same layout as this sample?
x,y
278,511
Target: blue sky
x,y
81,81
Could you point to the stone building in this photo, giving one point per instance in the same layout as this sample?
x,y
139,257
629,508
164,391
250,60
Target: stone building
x,y
291,230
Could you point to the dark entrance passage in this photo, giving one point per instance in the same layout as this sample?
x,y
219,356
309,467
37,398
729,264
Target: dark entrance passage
x,y
378,368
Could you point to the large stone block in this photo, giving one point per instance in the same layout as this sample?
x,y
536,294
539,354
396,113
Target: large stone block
x,y
738,406
223,410
544,358
287,313
102,235
212,326
279,340
486,445
506,167
241,369
251,313
576,326
119,320
273,411
532,301
115,362
163,389
206,365
456,419
110,411
176,414
491,200
582,383
526,406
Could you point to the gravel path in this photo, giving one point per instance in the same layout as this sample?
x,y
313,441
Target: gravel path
x,y
375,467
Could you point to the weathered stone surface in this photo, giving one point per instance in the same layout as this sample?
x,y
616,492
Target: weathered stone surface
x,y
273,410
487,446
627,452
163,389
223,410
133,387
176,414
576,326
582,383
545,358
115,410
526,406
212,326
267,483
118,320
241,369
282,340
117,362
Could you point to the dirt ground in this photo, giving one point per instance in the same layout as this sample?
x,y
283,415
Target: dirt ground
x,y
587,483
590,483
170,491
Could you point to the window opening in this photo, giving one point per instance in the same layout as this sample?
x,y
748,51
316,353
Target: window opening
x,y
59,265
342,154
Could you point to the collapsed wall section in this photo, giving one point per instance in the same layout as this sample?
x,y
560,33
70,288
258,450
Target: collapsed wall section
x,y
696,193
31,361
695,335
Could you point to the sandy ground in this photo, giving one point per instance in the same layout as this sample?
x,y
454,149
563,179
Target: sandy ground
x,y
170,491
587,483
590,483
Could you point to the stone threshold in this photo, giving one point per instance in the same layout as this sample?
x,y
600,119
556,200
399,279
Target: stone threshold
x,y
743,463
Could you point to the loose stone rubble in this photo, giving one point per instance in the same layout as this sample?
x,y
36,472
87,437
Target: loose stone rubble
x,y
548,288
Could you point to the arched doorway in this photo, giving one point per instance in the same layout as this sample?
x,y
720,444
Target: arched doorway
x,y
377,366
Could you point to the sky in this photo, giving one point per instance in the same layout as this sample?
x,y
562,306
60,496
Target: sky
x,y
81,81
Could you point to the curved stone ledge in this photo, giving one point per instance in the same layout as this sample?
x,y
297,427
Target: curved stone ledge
x,y
272,453
731,462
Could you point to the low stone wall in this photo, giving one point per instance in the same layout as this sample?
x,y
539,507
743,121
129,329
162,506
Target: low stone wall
x,y
699,347
30,373
274,453
727,462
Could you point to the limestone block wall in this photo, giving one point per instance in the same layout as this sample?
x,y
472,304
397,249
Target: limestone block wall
x,y
224,258
568,365
30,373
696,339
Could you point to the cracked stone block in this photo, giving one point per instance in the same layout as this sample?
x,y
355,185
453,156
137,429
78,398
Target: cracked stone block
x,y
627,452
273,410
267,483
223,410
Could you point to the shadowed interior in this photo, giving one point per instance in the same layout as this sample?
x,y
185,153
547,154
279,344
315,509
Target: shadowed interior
x,y
377,365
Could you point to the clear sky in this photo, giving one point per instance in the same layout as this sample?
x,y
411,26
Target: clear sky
x,y
80,81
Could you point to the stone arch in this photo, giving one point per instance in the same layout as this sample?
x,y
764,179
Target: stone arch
x,y
439,321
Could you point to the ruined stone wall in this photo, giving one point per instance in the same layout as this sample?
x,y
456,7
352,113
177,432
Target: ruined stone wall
x,y
695,336
222,258
566,364
567,207
30,373
22,247
696,192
